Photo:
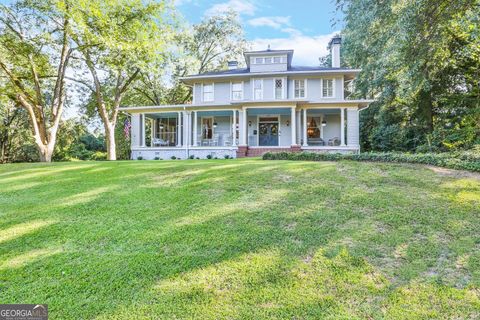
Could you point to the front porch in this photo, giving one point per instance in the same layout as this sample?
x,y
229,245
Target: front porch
x,y
244,131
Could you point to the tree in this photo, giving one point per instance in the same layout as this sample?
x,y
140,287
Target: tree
x,y
34,55
9,119
116,41
420,60
206,46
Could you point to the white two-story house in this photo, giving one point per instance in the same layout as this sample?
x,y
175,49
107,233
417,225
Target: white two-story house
x,y
270,105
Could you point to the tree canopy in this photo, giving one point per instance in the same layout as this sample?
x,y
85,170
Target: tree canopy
x,y
421,61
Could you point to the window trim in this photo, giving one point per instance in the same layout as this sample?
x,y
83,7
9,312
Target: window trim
x,y
253,88
305,82
213,91
274,88
333,88
231,90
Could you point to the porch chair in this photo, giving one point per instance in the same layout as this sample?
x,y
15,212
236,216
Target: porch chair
x,y
227,142
335,141
159,142
214,141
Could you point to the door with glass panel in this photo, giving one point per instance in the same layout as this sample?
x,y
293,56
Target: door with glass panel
x,y
268,131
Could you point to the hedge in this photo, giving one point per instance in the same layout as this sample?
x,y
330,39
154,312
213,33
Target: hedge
x,y
466,160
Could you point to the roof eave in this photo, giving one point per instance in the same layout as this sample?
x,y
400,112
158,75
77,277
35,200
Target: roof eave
x,y
249,74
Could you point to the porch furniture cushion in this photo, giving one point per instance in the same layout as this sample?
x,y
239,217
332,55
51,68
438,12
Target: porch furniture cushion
x,y
316,142
159,142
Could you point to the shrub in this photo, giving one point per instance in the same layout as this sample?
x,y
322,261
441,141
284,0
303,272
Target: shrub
x,y
140,158
156,158
209,156
191,157
226,156
215,158
197,158
99,156
173,157
467,160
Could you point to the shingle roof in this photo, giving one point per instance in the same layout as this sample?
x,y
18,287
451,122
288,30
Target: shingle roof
x,y
241,71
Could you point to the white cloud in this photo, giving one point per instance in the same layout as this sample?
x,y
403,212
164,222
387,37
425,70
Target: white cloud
x,y
273,22
307,48
243,7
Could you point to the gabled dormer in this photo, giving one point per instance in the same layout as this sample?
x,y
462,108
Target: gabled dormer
x,y
268,60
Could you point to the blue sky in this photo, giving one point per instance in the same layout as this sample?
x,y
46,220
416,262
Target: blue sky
x,y
303,25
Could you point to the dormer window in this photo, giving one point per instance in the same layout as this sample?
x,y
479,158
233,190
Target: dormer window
x,y
269,60
208,92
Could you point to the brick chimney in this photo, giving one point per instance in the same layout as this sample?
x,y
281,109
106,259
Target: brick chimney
x,y
334,46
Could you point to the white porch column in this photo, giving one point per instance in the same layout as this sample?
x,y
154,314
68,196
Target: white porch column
x,y
245,124
299,127
179,129
321,126
305,144
152,132
342,127
186,128
234,128
195,122
241,122
293,124
142,136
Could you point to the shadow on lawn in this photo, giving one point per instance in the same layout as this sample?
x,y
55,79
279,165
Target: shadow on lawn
x,y
242,239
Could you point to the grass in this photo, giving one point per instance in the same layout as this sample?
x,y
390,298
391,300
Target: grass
x,y
240,239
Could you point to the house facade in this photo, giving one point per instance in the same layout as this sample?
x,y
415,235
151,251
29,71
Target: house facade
x,y
270,105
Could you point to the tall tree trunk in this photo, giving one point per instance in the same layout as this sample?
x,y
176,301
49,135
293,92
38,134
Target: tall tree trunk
x,y
425,104
110,137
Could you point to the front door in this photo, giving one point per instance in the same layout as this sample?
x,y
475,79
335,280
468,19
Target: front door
x,y
268,134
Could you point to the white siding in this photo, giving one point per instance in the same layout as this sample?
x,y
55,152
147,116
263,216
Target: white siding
x,y
353,133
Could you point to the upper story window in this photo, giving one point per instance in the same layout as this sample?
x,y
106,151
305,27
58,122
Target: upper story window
x,y
278,88
258,89
327,88
237,91
269,60
208,92
299,88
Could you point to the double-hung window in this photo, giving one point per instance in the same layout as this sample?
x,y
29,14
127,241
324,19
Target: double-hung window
x,y
237,91
278,88
208,92
299,88
327,88
258,89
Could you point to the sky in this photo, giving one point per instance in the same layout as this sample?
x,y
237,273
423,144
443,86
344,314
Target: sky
x,y
305,26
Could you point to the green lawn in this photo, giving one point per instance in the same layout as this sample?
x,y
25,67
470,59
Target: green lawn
x,y
240,239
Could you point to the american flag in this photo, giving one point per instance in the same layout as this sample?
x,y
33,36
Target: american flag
x,y
126,128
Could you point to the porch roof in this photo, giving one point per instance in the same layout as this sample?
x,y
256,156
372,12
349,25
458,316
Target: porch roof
x,y
250,104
